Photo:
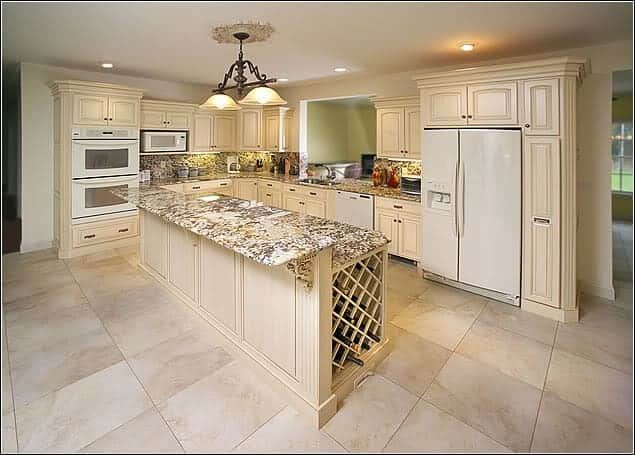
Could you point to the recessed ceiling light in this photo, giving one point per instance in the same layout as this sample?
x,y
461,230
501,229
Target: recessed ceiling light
x,y
283,79
467,47
107,65
340,70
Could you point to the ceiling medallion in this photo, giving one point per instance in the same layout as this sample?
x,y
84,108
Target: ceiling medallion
x,y
260,95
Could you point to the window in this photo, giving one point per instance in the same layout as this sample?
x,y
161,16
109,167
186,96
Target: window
x,y
622,156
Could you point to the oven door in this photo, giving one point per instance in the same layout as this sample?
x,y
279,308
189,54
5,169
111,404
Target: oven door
x,y
92,197
102,158
163,141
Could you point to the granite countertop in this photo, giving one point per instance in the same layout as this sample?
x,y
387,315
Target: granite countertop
x,y
352,185
267,235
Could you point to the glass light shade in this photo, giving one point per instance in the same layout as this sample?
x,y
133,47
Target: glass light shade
x,y
221,101
262,96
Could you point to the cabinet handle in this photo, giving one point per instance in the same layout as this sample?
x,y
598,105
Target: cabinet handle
x,y
291,189
301,203
398,206
223,184
196,187
91,236
405,151
527,125
105,118
110,119
268,194
258,145
123,230
539,220
269,184
399,221
394,221
312,193
464,116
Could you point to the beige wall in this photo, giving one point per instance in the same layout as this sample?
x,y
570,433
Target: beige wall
x,y
594,122
361,123
37,138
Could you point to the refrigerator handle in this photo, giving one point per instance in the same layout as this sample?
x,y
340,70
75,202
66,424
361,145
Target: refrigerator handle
x,y
460,198
453,199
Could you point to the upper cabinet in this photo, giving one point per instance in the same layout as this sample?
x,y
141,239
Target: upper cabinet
x,y
251,131
105,110
166,115
542,99
277,129
214,132
398,127
492,103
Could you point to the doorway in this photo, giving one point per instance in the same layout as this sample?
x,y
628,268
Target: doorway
x,y
622,186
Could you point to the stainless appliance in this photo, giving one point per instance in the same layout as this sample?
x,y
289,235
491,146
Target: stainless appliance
x,y
471,224
354,208
102,159
411,184
101,152
163,141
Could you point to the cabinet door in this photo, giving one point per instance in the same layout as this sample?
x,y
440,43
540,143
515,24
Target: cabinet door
x,y
90,110
247,189
218,283
492,104
272,198
412,133
202,133
224,137
445,106
293,203
272,133
541,220
250,129
542,100
182,251
409,237
286,132
386,222
177,120
315,208
390,133
123,111
152,119
155,243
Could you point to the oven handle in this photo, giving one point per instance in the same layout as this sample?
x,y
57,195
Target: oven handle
x,y
101,180
99,142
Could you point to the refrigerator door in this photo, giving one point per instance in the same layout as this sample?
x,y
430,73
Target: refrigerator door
x,y
489,209
439,244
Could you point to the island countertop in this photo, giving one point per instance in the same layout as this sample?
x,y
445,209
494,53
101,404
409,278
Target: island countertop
x,y
267,235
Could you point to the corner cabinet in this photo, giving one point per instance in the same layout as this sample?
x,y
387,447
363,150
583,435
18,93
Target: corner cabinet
x,y
539,98
398,128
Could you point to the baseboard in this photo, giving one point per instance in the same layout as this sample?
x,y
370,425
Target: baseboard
x,y
550,312
36,246
598,291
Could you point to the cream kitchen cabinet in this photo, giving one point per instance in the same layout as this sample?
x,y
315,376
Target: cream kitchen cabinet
x,y
105,110
250,129
214,132
270,193
400,221
314,207
493,103
542,106
166,115
306,200
246,189
154,250
541,220
398,128
183,260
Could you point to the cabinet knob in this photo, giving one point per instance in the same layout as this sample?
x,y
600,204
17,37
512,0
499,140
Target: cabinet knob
x,y
464,116
394,221
527,125
469,116
399,221
105,118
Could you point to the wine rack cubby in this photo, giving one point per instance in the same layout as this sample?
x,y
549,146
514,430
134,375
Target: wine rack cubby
x,y
358,311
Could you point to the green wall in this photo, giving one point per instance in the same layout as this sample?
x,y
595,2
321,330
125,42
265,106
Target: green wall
x,y
337,131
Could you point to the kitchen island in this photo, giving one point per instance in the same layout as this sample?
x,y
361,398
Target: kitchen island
x,y
301,297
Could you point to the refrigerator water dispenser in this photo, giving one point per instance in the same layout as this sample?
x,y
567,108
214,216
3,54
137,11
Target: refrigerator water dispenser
x,y
438,197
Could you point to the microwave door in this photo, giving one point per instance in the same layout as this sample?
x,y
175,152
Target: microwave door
x,y
164,141
93,197
101,158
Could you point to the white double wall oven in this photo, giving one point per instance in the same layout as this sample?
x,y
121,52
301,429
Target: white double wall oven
x,y
103,159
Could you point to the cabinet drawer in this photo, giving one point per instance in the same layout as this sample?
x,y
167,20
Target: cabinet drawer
x,y
91,233
194,187
269,184
411,208
178,187
307,191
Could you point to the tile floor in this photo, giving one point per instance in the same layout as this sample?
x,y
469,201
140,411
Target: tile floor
x,y
623,263
98,358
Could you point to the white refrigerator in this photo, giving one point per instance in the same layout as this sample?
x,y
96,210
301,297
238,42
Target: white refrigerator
x,y
471,197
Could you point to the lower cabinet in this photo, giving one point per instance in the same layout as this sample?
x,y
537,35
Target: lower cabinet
x,y
315,208
305,200
293,203
155,239
183,257
409,236
400,221
246,189
272,198
218,290
386,223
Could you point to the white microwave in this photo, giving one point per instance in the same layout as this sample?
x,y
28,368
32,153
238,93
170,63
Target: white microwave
x,y
163,141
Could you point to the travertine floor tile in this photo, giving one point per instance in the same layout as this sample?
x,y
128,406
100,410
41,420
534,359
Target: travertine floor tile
x,y
7,394
455,300
218,412
171,366
289,432
514,319
413,362
370,415
512,354
40,371
9,439
29,285
39,306
498,405
396,302
146,433
78,414
592,386
107,276
428,429
32,269
564,427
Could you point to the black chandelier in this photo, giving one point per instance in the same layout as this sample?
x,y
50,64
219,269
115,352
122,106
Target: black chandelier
x,y
260,95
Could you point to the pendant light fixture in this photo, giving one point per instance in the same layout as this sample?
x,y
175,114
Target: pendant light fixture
x,y
260,94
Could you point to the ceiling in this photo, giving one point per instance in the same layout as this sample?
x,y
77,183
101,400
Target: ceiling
x,y
172,41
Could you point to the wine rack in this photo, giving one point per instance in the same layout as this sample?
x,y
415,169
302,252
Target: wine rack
x,y
357,306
